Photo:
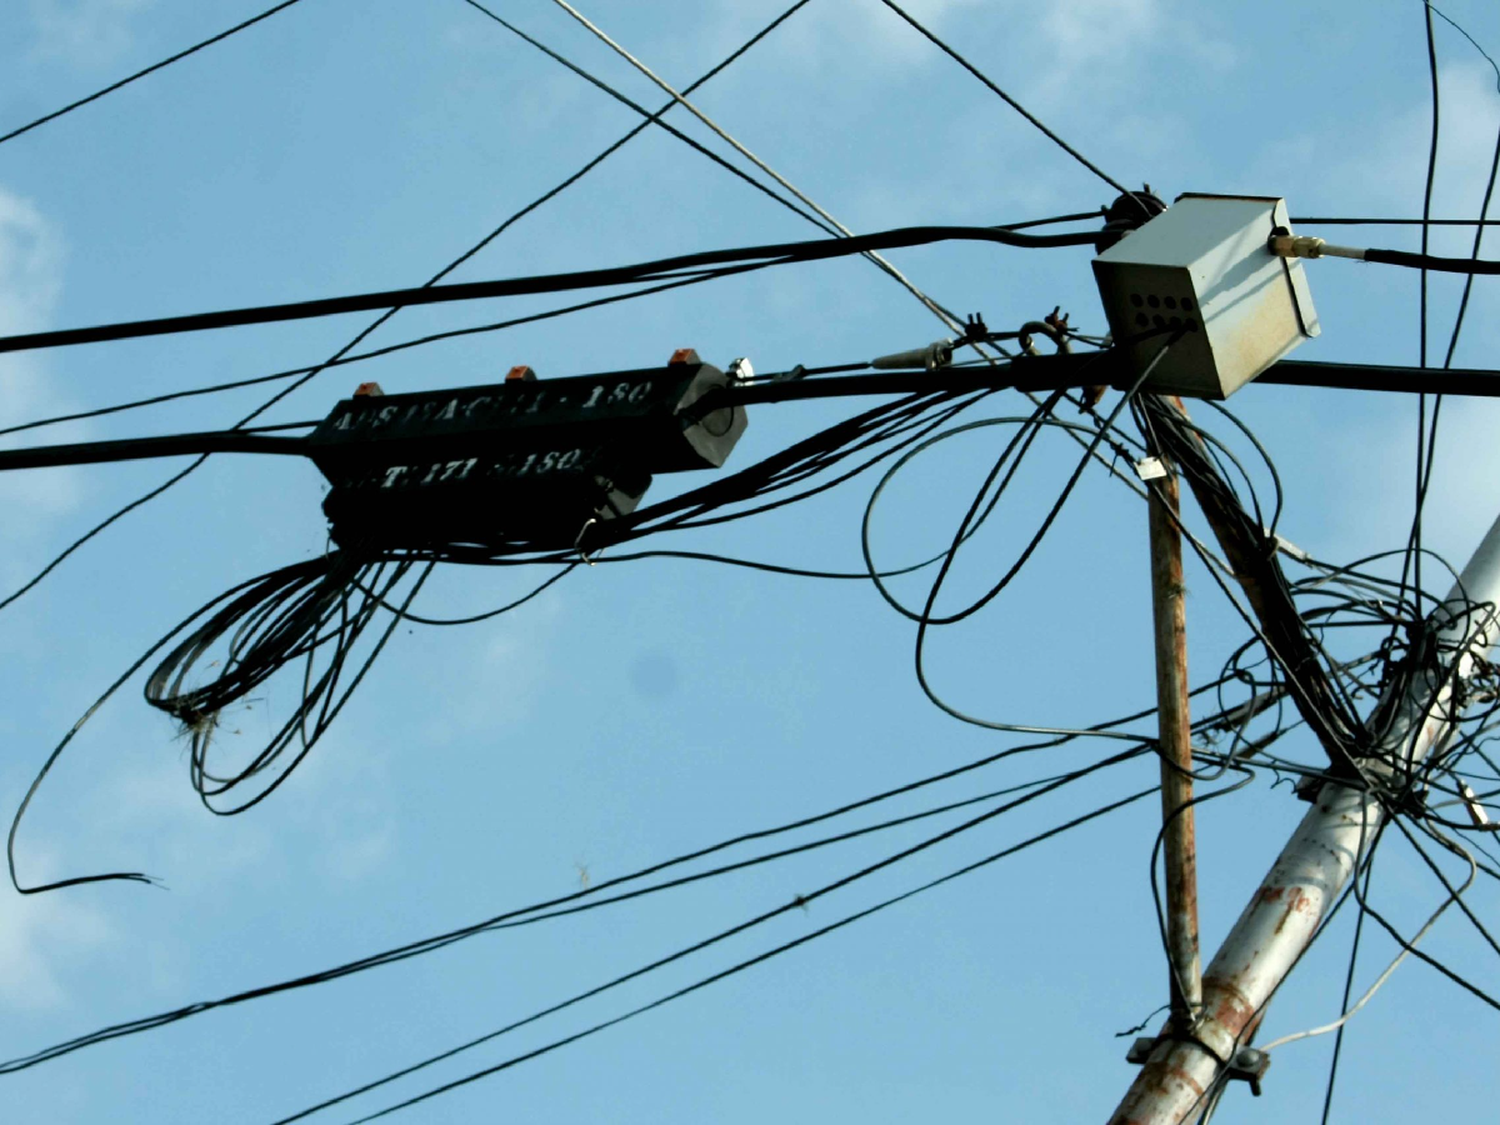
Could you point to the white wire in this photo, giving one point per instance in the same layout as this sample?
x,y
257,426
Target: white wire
x,y
757,161
880,261
1389,969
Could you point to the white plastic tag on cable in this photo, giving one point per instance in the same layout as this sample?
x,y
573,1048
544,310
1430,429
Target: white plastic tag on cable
x,y
1286,546
1150,468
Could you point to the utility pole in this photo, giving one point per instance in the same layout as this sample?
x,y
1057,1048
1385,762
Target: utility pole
x,y
1178,1079
1174,724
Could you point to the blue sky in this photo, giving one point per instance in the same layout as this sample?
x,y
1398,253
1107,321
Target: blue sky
x,y
637,711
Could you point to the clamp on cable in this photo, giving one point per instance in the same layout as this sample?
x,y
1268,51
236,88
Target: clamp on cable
x,y
578,542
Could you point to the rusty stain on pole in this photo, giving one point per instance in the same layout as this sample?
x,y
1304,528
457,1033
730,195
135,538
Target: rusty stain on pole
x,y
1179,844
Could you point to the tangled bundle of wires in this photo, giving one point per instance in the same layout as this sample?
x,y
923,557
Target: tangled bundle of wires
x,y
1358,706
1303,632
317,615
298,613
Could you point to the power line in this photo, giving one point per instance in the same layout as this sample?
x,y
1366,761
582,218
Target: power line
x,y
1015,105
941,313
1023,372
570,903
430,294
732,970
302,377
209,42
1487,56
1323,221
492,326
656,118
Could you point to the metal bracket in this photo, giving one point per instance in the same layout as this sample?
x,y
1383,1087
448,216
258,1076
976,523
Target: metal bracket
x,y
583,555
1249,1064
1140,1051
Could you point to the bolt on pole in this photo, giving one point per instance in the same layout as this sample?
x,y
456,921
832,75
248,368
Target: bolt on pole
x,y
1181,1075
1179,843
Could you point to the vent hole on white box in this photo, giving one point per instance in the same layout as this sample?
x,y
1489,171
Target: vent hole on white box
x,y
1159,301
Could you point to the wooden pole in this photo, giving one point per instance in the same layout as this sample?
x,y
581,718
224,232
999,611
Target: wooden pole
x,y
1179,843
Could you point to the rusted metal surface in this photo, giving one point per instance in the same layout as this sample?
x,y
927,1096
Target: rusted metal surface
x,y
1284,914
1276,926
1179,844
1257,574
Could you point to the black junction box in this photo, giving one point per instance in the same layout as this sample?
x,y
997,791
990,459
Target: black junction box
x,y
523,461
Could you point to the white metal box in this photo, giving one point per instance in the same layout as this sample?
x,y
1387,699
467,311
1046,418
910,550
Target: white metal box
x,y
1204,266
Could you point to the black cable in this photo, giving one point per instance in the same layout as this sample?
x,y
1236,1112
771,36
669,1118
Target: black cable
x,y
1013,454
149,70
10,843
420,341
165,445
62,556
1017,106
276,618
472,619
1456,894
1317,696
1338,1040
927,617
1422,437
740,966
443,939
775,253
1456,978
255,440
1425,465
1484,267
1484,209
1247,776
1324,221
377,353
800,901
1487,57
306,375
1253,1021
1385,378
656,118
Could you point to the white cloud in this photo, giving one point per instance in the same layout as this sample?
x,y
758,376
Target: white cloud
x,y
1086,30
1384,165
513,655
837,29
1383,171
1087,46
39,933
1067,42
30,267
151,819
355,858
85,34
31,271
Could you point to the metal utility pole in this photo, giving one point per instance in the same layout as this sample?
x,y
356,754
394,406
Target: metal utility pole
x,y
1179,1076
1179,844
